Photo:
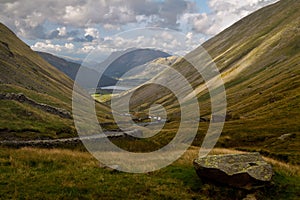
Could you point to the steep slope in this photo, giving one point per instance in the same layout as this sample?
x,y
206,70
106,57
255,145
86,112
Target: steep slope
x,y
143,73
45,88
71,69
122,62
259,59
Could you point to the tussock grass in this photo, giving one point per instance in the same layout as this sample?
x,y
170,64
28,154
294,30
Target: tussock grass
x,y
288,169
31,173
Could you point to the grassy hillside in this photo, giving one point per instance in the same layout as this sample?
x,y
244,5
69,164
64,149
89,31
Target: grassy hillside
x,y
63,174
258,58
24,71
143,73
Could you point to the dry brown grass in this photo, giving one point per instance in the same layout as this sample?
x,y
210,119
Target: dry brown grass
x,y
55,152
186,159
288,169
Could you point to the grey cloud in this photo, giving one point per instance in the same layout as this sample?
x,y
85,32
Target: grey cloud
x,y
30,15
166,12
40,32
87,38
55,34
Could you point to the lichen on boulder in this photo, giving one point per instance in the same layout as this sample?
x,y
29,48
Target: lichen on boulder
x,y
238,170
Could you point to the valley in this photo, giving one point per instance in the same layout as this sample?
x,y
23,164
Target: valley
x,y
47,129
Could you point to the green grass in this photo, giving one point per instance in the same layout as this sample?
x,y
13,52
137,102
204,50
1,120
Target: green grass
x,y
24,121
63,174
102,97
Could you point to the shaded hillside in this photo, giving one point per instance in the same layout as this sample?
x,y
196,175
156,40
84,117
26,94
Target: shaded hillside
x,y
259,59
24,71
71,69
122,62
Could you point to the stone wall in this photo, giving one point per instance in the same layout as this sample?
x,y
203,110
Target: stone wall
x,y
47,108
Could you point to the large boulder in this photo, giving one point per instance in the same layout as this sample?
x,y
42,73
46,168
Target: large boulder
x,y
238,170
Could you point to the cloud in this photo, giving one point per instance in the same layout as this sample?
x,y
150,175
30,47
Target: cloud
x,y
169,41
47,46
223,14
91,35
29,20
92,32
25,16
75,25
69,46
62,31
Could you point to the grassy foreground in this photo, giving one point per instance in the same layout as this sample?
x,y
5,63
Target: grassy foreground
x,y
65,174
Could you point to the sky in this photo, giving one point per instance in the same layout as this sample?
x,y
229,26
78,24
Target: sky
x,y
74,28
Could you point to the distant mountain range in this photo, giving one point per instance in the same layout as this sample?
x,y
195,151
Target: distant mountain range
x,y
124,61
71,69
118,64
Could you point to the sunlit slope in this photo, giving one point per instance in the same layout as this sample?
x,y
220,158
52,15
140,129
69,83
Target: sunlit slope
x,y
141,74
258,58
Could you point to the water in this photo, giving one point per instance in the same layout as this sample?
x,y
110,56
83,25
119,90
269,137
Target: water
x,y
114,87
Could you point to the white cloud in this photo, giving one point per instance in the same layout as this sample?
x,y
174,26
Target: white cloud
x,y
69,46
47,46
92,32
166,40
62,31
224,13
87,48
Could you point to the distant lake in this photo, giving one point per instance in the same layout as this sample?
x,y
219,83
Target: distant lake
x,y
114,87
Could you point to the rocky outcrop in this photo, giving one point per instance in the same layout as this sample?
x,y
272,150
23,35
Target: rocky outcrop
x,y
23,99
239,170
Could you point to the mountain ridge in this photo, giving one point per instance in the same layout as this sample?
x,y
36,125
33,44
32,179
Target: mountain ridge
x,y
258,58
124,61
71,68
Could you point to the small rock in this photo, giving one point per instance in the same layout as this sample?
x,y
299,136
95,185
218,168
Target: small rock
x,y
286,136
237,170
